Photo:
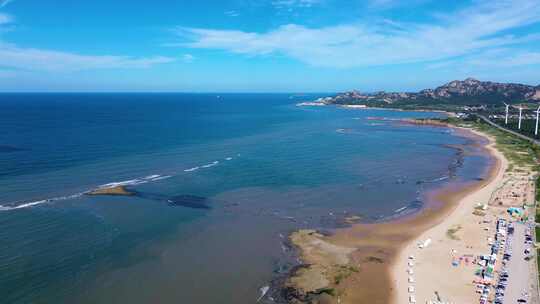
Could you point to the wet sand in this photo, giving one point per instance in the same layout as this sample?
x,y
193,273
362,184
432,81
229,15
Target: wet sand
x,y
374,266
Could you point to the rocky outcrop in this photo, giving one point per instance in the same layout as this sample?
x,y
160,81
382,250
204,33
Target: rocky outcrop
x,y
473,87
425,122
325,266
470,89
118,190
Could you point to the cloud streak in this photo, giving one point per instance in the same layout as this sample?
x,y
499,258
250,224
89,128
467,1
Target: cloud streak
x,y
496,58
291,4
473,29
15,57
232,13
33,59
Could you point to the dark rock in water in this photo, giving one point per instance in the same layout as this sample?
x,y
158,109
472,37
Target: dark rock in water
x,y
293,295
8,149
185,200
118,190
190,201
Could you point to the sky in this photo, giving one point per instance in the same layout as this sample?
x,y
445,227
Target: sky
x,y
264,46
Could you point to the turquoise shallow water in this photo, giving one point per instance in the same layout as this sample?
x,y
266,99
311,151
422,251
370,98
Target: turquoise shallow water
x,y
259,165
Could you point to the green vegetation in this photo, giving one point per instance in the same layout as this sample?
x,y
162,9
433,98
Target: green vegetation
x,y
537,195
519,152
343,273
527,126
329,291
339,277
374,259
538,261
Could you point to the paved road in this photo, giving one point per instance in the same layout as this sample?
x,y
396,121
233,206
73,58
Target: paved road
x,y
518,268
536,142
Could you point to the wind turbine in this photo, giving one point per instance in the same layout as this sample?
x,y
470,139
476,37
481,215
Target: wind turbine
x,y
519,123
506,117
537,114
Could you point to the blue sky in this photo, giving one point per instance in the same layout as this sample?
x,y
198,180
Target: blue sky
x,y
265,46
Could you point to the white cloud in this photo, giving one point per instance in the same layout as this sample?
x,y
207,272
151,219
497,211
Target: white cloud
x,y
232,13
496,58
33,59
15,57
383,3
290,4
5,19
388,4
188,58
463,32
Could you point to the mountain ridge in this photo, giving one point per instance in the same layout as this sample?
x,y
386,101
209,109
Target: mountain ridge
x,y
468,91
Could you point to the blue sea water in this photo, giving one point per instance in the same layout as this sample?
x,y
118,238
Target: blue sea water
x,y
253,167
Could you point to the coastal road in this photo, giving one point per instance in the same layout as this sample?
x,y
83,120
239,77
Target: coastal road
x,y
518,268
536,142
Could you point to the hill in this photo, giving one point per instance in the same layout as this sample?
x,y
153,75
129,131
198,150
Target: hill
x,y
455,93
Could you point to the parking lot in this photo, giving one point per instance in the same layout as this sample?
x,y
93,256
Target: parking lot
x,y
513,281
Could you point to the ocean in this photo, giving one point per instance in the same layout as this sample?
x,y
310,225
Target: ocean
x,y
220,180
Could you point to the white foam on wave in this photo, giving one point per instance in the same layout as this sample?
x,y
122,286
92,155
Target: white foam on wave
x,y
214,163
35,203
210,164
130,182
136,181
159,177
400,209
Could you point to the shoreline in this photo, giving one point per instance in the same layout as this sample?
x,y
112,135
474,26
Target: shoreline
x,y
365,107
439,256
376,250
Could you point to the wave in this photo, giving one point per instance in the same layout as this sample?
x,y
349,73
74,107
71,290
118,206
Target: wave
x,y
438,179
161,178
35,203
400,209
210,164
441,179
129,182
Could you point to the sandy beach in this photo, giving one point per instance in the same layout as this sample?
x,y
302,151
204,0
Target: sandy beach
x,y
460,233
384,262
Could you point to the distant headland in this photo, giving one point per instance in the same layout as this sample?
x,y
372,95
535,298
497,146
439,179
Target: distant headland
x,y
455,93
